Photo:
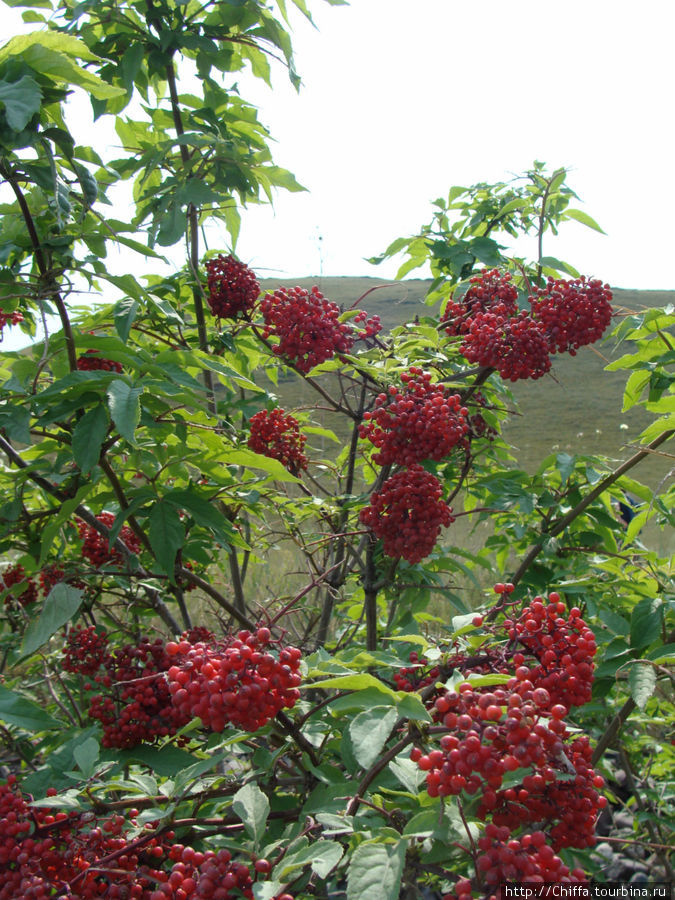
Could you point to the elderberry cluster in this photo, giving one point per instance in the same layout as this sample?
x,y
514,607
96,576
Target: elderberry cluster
x,y
407,513
15,577
563,316
232,287
517,731
45,853
573,313
84,650
133,703
277,435
420,421
90,361
563,648
96,548
237,681
307,328
514,345
12,318
486,290
53,574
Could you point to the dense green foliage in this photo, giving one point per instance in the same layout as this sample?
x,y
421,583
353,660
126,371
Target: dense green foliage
x,y
149,486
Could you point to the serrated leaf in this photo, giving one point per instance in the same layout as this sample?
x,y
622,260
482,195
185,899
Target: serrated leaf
x,y
124,314
125,407
369,731
18,710
88,437
353,683
86,754
642,681
645,622
252,807
20,100
375,871
580,216
410,706
59,607
407,772
166,534
322,856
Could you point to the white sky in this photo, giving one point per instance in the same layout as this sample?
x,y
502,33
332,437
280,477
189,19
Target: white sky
x,y
404,98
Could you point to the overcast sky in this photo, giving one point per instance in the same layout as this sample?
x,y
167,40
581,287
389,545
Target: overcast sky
x,y
404,98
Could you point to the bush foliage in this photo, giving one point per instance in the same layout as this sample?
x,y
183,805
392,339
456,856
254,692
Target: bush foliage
x,y
235,663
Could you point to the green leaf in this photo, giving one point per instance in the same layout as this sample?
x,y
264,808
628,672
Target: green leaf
x,y
322,856
582,217
645,622
124,314
86,755
252,807
59,607
166,535
21,100
353,683
407,772
125,407
369,731
375,871
202,511
88,437
410,706
642,681
17,710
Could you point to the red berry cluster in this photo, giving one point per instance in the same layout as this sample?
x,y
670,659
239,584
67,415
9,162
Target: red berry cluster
x,y
415,677
517,730
135,704
506,859
563,647
420,421
46,853
236,681
278,436
91,361
53,574
210,875
84,651
568,809
12,318
15,576
232,287
307,327
488,289
95,547
407,513
573,313
514,345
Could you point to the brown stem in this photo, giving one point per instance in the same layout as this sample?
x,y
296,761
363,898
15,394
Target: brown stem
x,y
370,590
193,236
375,770
237,582
217,596
335,581
612,730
